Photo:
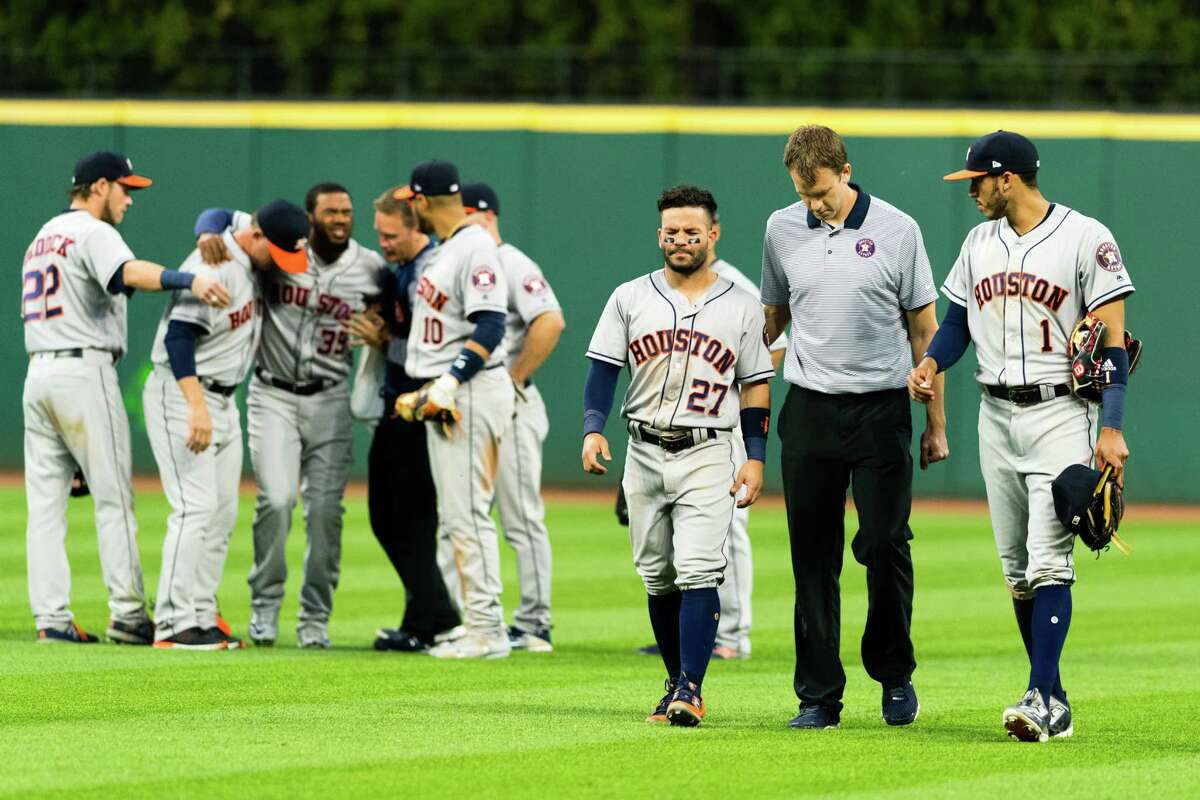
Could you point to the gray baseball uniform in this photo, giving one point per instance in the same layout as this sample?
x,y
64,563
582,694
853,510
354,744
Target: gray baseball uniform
x,y
1023,296
298,416
465,276
74,332
202,488
686,362
519,480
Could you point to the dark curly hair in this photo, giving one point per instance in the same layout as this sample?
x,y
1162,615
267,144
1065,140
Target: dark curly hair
x,y
688,196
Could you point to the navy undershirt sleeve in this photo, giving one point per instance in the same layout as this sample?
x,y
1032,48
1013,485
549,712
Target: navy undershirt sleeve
x,y
213,220
180,341
951,339
598,391
116,284
489,328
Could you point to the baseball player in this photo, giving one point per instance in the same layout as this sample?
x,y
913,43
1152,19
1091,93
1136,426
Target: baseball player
x,y
694,344
299,408
1021,282
200,358
401,497
457,348
733,632
533,326
76,278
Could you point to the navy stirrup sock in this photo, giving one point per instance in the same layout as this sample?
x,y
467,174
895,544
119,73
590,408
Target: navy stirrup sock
x,y
664,621
1051,621
1024,611
698,616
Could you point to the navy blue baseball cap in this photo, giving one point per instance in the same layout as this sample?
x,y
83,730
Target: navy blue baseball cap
x,y
286,227
996,154
110,165
1072,491
480,197
430,178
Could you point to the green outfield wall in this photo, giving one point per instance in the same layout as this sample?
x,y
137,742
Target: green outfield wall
x,y
578,187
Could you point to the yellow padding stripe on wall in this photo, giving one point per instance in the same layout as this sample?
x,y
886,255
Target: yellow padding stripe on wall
x,y
598,118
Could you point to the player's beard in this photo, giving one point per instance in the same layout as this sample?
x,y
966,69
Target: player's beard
x,y
995,205
697,262
328,250
106,215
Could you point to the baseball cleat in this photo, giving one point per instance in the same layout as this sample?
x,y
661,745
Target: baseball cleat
x,y
313,639
223,626
900,705
815,717
192,639
231,642
130,632
686,708
457,632
535,642
264,627
1029,719
473,645
399,640
660,711
72,634
1061,726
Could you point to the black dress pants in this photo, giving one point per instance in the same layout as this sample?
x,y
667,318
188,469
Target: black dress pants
x,y
402,503
831,442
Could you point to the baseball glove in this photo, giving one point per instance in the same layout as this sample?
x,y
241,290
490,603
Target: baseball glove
x,y
1085,348
433,402
1090,504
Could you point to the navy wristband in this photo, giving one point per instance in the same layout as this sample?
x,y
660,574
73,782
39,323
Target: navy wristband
x,y
1112,412
174,279
755,424
1116,366
466,365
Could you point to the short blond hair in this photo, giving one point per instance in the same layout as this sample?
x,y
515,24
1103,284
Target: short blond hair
x,y
811,147
387,204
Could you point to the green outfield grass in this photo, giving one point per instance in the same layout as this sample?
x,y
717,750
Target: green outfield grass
x,y
107,721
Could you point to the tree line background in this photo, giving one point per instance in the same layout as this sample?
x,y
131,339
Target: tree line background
x,y
1075,53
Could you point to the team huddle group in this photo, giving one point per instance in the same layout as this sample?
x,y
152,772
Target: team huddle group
x,y
455,322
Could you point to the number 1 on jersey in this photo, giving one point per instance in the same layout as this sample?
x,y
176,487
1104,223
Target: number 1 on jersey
x,y
1046,348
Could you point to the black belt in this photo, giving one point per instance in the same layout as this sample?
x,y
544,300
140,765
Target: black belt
x,y
674,441
302,389
1027,395
219,388
74,352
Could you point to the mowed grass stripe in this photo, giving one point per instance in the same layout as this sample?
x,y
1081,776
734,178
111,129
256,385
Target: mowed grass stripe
x,y
108,721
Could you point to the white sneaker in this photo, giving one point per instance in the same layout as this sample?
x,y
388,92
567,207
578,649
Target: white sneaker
x,y
457,632
313,639
473,645
264,626
537,642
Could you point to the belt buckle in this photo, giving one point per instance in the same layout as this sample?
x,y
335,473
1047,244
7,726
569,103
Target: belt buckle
x,y
676,442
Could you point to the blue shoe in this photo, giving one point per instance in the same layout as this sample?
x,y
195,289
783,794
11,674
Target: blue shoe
x,y
1061,726
900,706
660,711
1029,719
649,650
72,634
130,632
813,716
687,706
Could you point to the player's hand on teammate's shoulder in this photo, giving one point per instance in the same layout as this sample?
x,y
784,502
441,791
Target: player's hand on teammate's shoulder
x,y
749,476
212,248
1111,449
920,380
934,446
595,447
208,288
199,427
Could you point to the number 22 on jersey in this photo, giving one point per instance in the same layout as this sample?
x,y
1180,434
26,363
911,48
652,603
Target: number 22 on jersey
x,y
39,287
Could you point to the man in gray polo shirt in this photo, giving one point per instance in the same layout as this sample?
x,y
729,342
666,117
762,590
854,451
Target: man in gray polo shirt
x,y
850,272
